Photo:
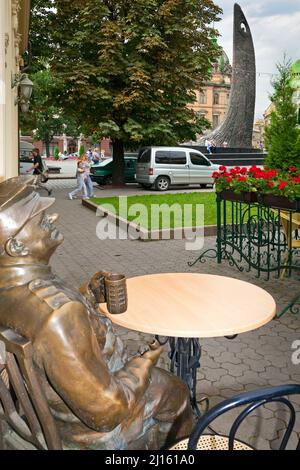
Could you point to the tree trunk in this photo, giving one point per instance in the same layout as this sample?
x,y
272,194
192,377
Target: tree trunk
x,y
47,145
118,162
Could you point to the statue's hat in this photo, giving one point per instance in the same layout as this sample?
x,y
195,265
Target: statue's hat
x,y
19,202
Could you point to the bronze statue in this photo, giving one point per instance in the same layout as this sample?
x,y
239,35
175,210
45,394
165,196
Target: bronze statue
x,y
100,399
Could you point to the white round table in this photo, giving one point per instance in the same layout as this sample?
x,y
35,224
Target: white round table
x,y
187,306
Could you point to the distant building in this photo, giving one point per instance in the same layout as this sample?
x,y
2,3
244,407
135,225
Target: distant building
x,y
68,144
14,25
212,101
295,84
267,114
258,134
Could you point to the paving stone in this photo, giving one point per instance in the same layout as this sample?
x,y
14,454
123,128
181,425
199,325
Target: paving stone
x,y
249,353
214,374
258,366
236,370
274,373
252,377
228,357
227,381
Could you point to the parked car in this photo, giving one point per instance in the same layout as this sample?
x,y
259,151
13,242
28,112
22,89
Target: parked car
x,y
24,164
162,167
102,172
25,158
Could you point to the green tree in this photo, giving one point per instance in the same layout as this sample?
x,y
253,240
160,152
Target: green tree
x,y
45,118
56,153
81,151
41,41
282,135
129,68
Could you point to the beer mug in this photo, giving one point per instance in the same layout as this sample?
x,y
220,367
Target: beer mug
x,y
116,293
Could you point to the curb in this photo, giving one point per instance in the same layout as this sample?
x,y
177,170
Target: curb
x,y
142,234
62,178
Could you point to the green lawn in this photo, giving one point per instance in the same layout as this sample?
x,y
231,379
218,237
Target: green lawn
x,y
154,204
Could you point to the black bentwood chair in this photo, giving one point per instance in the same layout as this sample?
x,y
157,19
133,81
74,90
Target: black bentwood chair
x,y
250,401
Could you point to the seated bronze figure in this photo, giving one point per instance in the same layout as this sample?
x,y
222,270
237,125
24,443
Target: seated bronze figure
x,y
99,398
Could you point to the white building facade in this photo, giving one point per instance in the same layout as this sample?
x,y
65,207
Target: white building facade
x,y
14,26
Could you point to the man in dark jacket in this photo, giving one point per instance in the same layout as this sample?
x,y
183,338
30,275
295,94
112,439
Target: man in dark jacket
x,y
38,170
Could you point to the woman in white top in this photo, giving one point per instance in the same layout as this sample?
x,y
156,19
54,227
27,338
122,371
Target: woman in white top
x,y
80,182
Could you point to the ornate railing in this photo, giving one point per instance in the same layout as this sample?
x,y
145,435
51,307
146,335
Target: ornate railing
x,y
256,236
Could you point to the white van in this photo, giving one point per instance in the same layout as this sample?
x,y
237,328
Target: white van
x,y
166,166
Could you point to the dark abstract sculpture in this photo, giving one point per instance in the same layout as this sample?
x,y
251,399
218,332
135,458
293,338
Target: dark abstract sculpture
x,y
99,399
237,127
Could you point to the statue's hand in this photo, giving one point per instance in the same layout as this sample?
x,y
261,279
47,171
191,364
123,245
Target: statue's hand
x,y
152,352
96,285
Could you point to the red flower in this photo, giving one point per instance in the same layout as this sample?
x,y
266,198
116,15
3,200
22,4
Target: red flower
x,y
229,179
216,174
253,169
243,170
292,168
282,184
222,168
242,178
270,183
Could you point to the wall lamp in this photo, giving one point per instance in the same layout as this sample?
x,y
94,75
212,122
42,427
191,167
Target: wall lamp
x,y
24,85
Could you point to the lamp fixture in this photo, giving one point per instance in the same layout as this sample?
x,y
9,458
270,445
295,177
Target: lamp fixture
x,y
24,85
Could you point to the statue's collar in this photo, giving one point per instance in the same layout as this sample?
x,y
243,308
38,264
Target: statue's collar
x,y
18,275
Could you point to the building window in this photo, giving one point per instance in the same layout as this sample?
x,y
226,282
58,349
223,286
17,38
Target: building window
x,y
216,98
227,98
202,98
215,122
202,113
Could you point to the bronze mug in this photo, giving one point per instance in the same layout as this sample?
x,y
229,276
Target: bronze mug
x,y
97,286
116,293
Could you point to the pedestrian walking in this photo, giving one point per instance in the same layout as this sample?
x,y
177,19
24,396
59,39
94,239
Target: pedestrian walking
x,y
90,154
80,182
87,178
208,146
38,170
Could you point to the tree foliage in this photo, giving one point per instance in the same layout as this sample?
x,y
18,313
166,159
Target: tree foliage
x,y
46,118
42,15
282,136
130,67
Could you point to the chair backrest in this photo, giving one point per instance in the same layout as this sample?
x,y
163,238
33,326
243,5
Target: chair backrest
x,y
251,401
25,417
290,221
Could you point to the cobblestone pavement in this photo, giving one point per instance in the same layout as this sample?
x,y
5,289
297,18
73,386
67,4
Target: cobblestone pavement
x,y
259,358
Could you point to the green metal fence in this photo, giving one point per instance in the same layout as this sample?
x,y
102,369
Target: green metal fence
x,y
256,237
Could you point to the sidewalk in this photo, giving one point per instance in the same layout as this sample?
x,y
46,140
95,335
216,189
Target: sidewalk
x,y
252,360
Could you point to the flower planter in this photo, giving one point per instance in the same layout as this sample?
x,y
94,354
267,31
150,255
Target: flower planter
x,y
279,202
243,196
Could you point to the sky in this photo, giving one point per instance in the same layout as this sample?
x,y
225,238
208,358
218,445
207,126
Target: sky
x,y
275,28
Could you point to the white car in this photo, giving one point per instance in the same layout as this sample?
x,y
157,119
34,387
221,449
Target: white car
x,y
162,167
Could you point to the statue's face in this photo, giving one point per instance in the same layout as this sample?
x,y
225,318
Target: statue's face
x,y
40,236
